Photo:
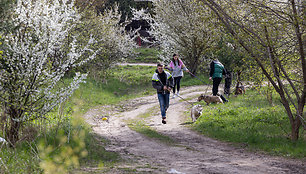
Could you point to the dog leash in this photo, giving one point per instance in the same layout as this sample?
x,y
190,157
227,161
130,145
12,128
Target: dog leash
x,y
201,81
176,95
184,99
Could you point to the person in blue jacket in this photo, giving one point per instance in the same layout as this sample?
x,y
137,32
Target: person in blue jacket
x,y
162,81
217,70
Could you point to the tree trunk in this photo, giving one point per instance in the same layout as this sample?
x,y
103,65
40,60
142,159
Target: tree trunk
x,y
12,130
295,129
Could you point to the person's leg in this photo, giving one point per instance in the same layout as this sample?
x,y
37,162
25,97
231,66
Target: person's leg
x,y
223,98
167,96
162,104
174,80
216,82
178,83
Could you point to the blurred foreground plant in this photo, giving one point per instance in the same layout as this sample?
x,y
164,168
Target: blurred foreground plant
x,y
65,151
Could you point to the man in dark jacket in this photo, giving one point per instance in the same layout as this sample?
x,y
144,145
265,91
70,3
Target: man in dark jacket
x,y
162,81
217,70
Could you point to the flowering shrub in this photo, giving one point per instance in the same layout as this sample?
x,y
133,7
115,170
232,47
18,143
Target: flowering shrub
x,y
34,61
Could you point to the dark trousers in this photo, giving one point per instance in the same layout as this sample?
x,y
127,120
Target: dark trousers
x,y
177,82
216,83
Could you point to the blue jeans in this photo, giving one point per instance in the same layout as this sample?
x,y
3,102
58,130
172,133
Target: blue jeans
x,y
163,103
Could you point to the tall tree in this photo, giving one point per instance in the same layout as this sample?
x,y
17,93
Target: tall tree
x,y
114,42
35,60
184,27
272,34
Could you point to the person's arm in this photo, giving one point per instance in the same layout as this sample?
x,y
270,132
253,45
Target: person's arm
x,y
170,67
224,71
170,82
183,66
157,85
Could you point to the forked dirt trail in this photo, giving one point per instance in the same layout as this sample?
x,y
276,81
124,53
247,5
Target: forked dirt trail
x,y
191,153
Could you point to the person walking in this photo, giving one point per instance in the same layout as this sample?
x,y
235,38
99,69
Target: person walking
x,y
217,70
162,81
177,66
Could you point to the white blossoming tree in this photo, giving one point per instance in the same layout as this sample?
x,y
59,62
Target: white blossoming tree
x,y
35,60
181,27
114,42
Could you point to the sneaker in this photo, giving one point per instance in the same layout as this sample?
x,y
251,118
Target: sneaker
x,y
178,94
174,95
164,121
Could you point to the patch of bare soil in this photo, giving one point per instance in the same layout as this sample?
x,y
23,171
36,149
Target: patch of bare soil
x,y
192,153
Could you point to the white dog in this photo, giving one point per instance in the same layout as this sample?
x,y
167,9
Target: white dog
x,y
196,112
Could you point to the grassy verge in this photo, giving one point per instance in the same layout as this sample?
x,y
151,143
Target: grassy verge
x,y
145,55
250,120
123,83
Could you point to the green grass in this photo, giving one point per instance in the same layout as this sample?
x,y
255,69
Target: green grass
x,y
252,121
124,82
22,159
188,80
145,55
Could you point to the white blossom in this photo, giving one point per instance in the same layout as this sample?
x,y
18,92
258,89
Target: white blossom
x,y
183,27
35,59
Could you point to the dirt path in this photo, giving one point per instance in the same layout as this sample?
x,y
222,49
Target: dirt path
x,y
191,154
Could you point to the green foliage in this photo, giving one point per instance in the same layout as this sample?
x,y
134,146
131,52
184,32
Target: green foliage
x,y
22,159
230,54
252,121
61,149
5,7
1,51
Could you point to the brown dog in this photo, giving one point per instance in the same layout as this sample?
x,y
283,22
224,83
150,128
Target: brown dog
x,y
210,99
239,89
